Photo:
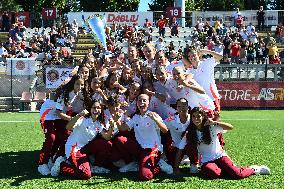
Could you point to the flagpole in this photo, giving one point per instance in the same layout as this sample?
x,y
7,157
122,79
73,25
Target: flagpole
x,y
12,100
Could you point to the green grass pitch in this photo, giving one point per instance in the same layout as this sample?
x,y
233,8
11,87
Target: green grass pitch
x,y
257,138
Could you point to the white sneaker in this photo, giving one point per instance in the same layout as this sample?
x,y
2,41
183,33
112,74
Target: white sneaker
x,y
185,161
130,167
55,170
99,170
119,163
165,167
43,169
260,169
193,169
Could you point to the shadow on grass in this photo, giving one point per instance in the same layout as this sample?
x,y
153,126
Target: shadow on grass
x,y
20,166
134,177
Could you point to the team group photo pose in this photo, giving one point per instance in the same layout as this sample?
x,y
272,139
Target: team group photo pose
x,y
141,94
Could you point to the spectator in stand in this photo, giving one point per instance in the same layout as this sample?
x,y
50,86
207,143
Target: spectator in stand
x,y
250,53
161,24
22,29
272,52
250,28
240,21
74,28
219,47
210,44
174,27
235,52
217,26
148,25
260,51
253,36
243,51
235,16
5,22
260,18
227,43
160,45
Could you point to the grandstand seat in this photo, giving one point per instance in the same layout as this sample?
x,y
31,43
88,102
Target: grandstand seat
x,y
25,99
39,97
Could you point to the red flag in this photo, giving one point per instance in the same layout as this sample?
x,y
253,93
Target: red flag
x,y
42,118
153,154
73,154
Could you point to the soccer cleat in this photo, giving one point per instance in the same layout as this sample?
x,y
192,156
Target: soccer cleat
x,y
260,169
165,167
43,169
193,169
55,170
99,170
130,167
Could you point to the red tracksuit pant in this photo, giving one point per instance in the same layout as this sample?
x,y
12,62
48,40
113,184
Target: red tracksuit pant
x,y
50,145
224,166
79,166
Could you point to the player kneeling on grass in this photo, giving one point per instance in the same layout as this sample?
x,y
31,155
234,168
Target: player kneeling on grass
x,y
177,125
83,142
202,132
147,126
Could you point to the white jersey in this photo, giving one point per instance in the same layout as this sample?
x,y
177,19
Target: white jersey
x,y
108,116
173,64
76,102
160,88
208,152
85,130
49,104
176,128
147,132
161,108
194,98
204,75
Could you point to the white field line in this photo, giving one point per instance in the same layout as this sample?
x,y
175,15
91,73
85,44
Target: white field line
x,y
250,119
11,121
227,119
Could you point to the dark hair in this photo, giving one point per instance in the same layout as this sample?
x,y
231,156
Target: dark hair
x,y
113,100
64,90
191,130
101,117
189,108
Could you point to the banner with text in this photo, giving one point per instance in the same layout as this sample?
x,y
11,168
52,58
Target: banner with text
x,y
251,94
21,66
117,17
271,17
55,76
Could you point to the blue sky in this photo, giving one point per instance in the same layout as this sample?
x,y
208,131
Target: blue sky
x,y
143,6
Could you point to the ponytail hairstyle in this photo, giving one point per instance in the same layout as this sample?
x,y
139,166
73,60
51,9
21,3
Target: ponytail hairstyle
x,y
191,130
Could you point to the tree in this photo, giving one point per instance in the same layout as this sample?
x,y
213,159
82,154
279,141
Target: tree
x,y
9,5
109,5
255,4
277,4
37,5
222,5
193,5
160,5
